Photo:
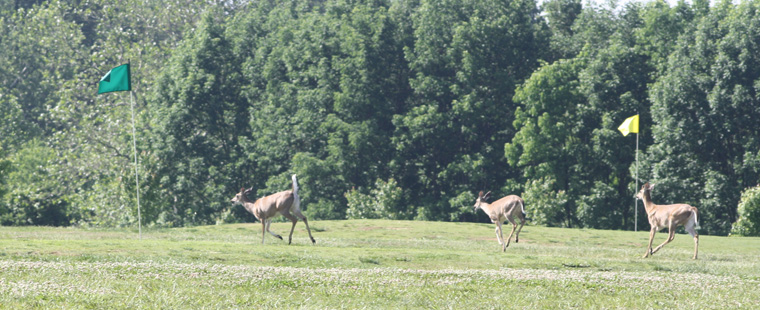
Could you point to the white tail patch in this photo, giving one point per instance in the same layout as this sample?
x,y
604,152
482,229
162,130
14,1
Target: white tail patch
x,y
295,185
696,221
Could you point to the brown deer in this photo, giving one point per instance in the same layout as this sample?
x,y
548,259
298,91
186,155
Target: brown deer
x,y
670,216
507,208
266,208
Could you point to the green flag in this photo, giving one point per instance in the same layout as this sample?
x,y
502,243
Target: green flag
x,y
116,80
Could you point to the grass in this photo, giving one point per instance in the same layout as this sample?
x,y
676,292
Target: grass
x,y
371,264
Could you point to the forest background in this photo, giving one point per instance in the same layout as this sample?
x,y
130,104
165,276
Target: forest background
x,y
384,109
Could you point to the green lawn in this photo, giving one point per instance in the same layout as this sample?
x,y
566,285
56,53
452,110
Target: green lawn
x,y
371,264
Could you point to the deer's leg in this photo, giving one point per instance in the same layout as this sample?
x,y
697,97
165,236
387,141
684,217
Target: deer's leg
x,y
305,221
497,230
501,238
651,238
269,222
514,227
293,220
263,230
522,223
690,229
671,235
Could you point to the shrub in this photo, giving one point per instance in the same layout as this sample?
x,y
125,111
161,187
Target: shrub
x,y
385,201
748,223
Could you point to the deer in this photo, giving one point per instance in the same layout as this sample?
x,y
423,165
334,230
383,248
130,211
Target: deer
x,y
286,203
670,216
507,208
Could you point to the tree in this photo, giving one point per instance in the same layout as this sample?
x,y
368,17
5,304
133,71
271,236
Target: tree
x,y
327,80
400,109
384,201
466,60
748,223
35,60
560,17
546,144
34,196
615,85
4,169
198,115
704,110
290,101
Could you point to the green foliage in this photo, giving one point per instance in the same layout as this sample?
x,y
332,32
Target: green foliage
x,y
561,15
545,145
39,50
52,55
467,58
198,116
439,99
699,157
545,205
748,223
33,197
4,169
321,185
384,201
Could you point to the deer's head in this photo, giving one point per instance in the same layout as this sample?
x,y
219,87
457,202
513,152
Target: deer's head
x,y
645,191
241,196
481,199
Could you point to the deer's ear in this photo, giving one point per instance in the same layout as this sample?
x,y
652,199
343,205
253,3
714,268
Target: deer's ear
x,y
487,195
242,189
480,195
651,187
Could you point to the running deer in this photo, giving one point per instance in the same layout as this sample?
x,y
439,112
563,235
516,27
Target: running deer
x,y
507,208
670,216
266,208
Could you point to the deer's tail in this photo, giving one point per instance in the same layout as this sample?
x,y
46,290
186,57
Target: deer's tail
x,y
295,184
694,214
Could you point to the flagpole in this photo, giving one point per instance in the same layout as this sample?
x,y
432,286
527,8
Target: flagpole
x,y
636,203
119,79
137,181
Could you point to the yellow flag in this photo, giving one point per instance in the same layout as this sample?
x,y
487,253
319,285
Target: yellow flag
x,y
631,125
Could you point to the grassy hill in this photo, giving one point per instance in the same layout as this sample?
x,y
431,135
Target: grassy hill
x,y
371,264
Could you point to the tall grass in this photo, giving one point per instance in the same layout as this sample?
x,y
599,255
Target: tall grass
x,y
371,264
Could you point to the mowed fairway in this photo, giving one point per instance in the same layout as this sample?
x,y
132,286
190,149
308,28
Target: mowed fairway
x,y
371,264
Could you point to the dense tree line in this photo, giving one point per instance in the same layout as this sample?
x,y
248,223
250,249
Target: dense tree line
x,y
384,109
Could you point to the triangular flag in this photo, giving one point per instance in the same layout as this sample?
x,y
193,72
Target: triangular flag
x,y
630,125
117,79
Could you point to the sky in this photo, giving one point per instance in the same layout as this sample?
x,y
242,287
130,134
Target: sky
x,y
622,2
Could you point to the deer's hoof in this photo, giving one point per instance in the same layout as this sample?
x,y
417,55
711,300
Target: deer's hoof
x,y
313,241
279,237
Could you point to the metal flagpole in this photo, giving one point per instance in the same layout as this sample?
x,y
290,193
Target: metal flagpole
x,y
137,181
636,205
